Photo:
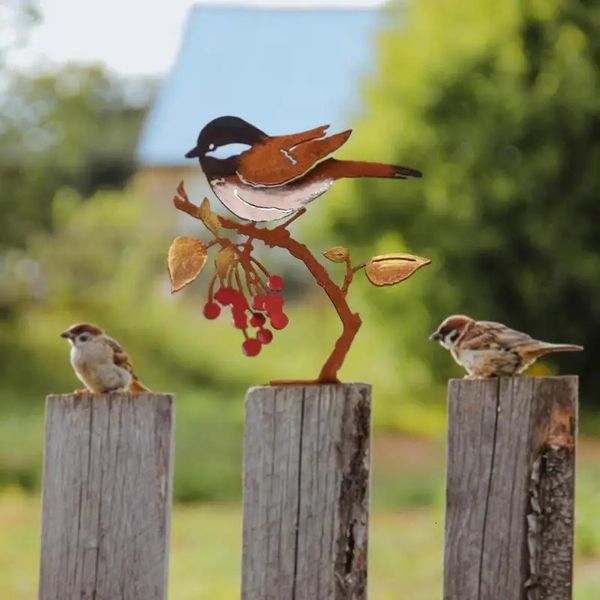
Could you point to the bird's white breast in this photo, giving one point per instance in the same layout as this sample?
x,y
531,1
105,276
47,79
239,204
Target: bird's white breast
x,y
94,366
487,362
267,203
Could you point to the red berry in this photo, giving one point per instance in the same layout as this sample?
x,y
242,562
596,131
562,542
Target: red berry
x,y
239,300
264,336
212,310
273,303
225,295
279,321
258,302
239,318
251,347
257,320
275,283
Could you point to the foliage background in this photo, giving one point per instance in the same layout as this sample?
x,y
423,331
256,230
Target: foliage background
x,y
498,104
502,115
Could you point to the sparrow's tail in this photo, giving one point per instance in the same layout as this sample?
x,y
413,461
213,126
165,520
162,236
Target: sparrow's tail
x,y
137,387
353,168
543,348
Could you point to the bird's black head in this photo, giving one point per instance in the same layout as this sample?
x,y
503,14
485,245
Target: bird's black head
x,y
223,131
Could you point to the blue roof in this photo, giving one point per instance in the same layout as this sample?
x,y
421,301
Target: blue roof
x,y
283,70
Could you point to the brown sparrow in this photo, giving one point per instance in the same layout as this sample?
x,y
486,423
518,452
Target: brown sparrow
x,y
99,361
488,349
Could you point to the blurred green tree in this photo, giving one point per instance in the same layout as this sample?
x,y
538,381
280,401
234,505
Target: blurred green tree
x,y
104,261
74,127
499,105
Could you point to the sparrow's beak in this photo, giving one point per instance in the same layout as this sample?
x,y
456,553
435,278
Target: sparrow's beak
x,y
193,153
65,334
435,336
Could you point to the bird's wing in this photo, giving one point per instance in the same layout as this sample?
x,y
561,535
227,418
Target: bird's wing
x,y
278,160
491,335
120,357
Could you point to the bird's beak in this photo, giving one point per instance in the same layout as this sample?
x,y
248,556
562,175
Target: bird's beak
x,y
435,336
193,153
65,334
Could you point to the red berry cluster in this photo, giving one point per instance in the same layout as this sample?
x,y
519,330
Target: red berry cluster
x,y
264,306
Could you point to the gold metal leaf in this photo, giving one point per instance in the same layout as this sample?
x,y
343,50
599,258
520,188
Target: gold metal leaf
x,y
223,261
208,217
337,254
389,269
187,256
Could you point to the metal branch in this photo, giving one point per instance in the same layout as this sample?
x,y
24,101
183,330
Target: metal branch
x,y
280,237
348,276
351,322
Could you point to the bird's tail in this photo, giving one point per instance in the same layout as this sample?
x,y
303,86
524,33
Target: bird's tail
x,y
137,387
543,348
354,168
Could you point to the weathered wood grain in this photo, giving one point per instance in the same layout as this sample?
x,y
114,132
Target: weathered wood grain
x,y
106,497
306,492
510,488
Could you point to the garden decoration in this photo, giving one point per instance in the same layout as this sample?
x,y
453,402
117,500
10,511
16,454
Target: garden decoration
x,y
274,178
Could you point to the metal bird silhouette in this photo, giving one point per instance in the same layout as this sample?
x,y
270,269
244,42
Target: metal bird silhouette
x,y
277,176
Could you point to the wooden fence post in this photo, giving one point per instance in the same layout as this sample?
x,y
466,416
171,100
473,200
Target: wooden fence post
x,y
106,496
510,488
306,492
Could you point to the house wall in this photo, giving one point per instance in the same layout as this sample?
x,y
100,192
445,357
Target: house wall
x,y
159,184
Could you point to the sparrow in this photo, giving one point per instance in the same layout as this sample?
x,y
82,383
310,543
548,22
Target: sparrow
x,y
100,362
488,349
276,176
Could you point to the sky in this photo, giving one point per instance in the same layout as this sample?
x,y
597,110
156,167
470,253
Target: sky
x,y
131,37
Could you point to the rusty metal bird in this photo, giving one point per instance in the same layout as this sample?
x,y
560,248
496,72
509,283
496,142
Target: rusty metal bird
x,y
275,177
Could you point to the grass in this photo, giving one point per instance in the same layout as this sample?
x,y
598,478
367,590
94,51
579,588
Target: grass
x,y
406,533
205,551
405,553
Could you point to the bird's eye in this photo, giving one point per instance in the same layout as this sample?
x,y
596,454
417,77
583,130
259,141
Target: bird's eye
x,y
211,147
84,337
